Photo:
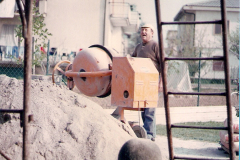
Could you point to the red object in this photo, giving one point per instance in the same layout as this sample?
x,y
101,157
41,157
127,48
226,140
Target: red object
x,y
43,50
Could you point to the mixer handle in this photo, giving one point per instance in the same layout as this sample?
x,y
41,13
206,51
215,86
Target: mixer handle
x,y
69,73
59,69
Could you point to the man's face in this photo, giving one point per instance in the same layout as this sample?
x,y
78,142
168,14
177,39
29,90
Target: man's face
x,y
146,34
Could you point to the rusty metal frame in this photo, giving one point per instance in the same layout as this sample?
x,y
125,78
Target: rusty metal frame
x,y
195,58
225,58
192,22
25,12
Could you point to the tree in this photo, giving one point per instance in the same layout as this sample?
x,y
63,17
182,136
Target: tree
x,y
190,46
40,33
234,42
134,40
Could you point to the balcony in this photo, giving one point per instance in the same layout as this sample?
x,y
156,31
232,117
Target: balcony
x,y
120,14
134,23
7,8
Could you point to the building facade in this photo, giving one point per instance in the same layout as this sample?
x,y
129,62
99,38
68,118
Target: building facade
x,y
74,25
205,40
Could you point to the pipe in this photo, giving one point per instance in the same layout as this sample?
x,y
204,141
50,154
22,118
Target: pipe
x,y
192,22
199,75
227,79
88,74
199,127
48,57
104,22
27,78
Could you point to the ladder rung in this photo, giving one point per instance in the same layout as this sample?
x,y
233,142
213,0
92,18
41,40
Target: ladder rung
x,y
199,127
194,22
11,110
200,158
198,93
195,58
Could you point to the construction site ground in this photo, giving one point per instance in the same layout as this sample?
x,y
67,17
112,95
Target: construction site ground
x,y
187,114
69,125
190,148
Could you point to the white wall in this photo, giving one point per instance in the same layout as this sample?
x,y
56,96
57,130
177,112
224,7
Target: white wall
x,y
204,34
75,24
212,43
9,21
79,24
114,35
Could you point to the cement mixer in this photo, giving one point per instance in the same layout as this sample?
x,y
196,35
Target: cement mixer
x,y
90,71
132,82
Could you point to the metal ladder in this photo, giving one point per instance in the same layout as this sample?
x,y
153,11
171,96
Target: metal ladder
x,y
227,94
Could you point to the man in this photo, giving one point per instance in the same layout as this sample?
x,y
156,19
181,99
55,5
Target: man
x,y
149,49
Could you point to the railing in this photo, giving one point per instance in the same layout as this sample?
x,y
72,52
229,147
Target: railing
x,y
120,10
134,18
121,15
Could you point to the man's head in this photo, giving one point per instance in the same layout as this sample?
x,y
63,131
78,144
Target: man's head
x,y
147,31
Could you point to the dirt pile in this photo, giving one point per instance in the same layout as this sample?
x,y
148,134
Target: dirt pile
x,y
66,125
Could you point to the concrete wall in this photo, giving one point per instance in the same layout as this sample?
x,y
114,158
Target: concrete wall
x,y
79,24
75,24
211,43
9,21
204,34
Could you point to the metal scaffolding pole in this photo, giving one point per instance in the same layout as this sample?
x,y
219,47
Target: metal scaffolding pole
x,y
26,19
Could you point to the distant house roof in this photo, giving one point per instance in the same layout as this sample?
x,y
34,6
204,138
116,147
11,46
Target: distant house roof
x,y
216,3
207,4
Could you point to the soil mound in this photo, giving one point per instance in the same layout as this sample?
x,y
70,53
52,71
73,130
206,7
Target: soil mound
x,y
66,125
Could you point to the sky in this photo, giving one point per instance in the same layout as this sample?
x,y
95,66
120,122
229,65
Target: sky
x,y
169,9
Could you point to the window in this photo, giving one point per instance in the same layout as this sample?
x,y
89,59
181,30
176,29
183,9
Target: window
x,y
8,41
218,65
218,28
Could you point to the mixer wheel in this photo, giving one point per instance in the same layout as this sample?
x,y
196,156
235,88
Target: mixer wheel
x,y
139,131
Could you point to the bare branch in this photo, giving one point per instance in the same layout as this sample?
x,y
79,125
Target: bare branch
x,y
234,53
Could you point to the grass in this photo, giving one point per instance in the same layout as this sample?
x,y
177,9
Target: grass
x,y
194,134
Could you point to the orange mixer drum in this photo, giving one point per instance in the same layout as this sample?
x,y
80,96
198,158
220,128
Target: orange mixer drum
x,y
93,59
